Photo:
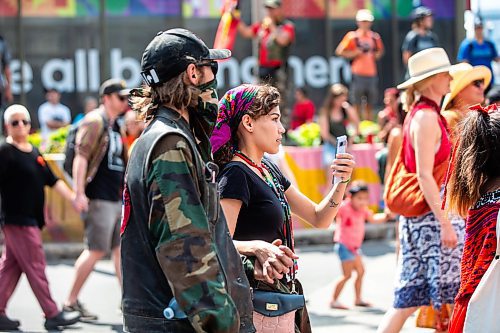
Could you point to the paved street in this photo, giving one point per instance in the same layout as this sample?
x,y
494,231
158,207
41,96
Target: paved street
x,y
318,268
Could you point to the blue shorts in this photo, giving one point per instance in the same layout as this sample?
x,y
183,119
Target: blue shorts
x,y
344,253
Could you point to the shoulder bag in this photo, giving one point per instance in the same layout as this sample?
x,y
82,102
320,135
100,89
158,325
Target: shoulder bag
x,y
402,194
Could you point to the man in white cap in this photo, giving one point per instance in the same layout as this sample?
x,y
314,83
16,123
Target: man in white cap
x,y
363,47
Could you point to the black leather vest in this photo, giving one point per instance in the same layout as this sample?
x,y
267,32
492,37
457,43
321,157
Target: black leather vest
x,y
146,292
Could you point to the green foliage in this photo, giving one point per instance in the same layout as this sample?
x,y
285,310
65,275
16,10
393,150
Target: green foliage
x,y
306,135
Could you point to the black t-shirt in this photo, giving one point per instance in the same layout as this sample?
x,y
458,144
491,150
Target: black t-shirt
x,y
23,177
108,181
261,216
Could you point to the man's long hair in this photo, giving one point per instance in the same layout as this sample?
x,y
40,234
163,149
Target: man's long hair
x,y
175,93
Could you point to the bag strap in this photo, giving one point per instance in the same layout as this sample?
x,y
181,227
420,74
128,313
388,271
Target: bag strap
x,y
497,254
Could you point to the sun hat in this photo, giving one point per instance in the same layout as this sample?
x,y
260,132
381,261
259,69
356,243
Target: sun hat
x,y
464,74
425,64
364,15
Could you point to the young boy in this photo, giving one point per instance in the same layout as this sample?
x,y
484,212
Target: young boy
x,y
349,235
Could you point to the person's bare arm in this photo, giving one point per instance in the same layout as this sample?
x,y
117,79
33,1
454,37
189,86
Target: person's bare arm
x,y
245,30
321,215
406,56
425,134
55,124
80,165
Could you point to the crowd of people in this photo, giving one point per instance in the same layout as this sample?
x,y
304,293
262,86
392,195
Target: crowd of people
x,y
182,194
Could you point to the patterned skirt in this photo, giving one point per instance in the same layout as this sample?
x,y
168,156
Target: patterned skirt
x,y
427,272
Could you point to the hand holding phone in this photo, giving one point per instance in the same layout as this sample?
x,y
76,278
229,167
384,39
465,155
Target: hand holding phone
x,y
341,149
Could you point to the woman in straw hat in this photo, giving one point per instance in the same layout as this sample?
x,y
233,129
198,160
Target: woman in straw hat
x,y
467,88
429,261
256,198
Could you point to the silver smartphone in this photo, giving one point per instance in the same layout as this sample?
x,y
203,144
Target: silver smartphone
x,y
341,149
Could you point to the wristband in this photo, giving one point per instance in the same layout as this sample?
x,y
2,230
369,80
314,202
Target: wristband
x,y
345,181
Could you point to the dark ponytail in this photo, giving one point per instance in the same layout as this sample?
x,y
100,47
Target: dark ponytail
x,y
477,159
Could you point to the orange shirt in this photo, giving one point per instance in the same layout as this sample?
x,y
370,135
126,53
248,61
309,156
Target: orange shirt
x,y
365,64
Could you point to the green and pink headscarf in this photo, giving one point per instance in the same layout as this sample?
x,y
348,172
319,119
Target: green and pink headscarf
x,y
232,107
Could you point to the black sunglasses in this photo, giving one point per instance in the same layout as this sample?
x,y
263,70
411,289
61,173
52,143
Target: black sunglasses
x,y
214,65
478,83
16,123
121,98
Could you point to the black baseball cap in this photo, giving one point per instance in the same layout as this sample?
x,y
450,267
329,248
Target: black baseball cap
x,y
112,86
171,51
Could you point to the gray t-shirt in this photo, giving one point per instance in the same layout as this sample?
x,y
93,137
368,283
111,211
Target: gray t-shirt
x,y
414,42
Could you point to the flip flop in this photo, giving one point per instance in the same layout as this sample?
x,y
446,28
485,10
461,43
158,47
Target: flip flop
x,y
338,305
364,304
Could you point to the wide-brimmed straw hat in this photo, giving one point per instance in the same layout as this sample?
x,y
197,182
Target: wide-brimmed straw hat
x,y
426,63
464,74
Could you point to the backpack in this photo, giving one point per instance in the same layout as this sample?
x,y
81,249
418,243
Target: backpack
x,y
69,148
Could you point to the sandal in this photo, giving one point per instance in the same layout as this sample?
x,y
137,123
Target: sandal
x,y
364,304
338,305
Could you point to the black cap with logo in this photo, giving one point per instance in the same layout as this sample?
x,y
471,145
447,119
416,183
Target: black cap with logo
x,y
112,86
171,51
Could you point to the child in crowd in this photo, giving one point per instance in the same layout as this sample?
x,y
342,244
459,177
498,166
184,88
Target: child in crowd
x,y
349,235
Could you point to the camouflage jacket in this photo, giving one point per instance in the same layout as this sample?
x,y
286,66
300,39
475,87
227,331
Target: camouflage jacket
x,y
171,245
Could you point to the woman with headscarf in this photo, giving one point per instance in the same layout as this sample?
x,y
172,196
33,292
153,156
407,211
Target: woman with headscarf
x,y
256,198
431,245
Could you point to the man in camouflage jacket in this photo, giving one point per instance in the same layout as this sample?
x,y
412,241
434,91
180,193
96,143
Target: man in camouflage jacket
x,y
175,244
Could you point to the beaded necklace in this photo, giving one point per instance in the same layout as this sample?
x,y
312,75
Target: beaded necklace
x,y
278,190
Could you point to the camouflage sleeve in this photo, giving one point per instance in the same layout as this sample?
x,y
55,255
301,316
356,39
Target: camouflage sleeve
x,y
184,245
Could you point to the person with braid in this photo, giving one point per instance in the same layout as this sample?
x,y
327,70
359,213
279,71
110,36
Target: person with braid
x,y
474,193
256,198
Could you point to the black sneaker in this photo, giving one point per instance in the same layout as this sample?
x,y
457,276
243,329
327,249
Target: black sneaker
x,y
64,318
7,324
84,313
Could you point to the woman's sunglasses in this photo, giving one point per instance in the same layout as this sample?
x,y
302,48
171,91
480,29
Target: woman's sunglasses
x,y
478,83
214,65
16,123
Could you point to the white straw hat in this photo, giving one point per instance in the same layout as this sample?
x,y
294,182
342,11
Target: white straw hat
x,y
426,63
364,15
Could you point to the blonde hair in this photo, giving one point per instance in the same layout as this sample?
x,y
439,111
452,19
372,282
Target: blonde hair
x,y
413,92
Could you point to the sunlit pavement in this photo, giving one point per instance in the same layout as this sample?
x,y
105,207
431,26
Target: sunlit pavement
x,y
318,266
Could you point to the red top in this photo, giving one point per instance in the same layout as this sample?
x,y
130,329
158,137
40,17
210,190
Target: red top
x,y
261,30
351,229
479,247
442,154
303,112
